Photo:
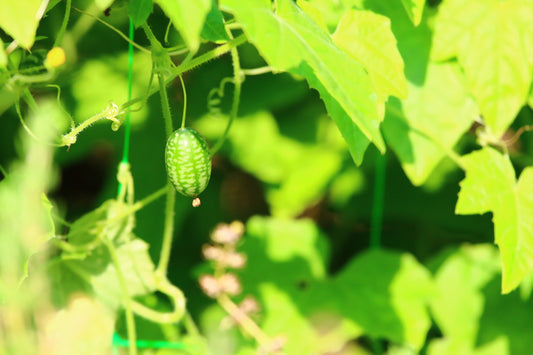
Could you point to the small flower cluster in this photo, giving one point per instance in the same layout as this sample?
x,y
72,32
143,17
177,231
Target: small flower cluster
x,y
224,256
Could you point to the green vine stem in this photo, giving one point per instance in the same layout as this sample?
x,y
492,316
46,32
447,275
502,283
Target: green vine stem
x,y
175,294
193,63
237,81
378,201
110,113
61,33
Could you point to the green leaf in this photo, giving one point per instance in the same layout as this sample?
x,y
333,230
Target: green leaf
x,y
313,12
103,4
423,128
488,39
139,11
490,185
105,79
387,294
289,38
97,274
3,55
188,18
508,317
414,9
19,20
368,38
213,29
294,252
457,313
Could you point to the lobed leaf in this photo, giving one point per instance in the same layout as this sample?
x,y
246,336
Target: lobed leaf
x,y
423,128
489,38
289,40
368,38
490,185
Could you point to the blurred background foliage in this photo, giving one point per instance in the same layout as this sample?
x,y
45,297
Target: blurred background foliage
x,y
286,172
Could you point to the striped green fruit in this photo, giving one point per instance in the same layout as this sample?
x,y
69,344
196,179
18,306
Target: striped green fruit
x,y
188,162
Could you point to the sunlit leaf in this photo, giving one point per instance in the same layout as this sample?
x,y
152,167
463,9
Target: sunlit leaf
x,y
490,186
19,20
368,38
457,313
386,294
291,41
188,18
423,128
488,39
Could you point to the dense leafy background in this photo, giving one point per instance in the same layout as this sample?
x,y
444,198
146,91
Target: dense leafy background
x,y
430,85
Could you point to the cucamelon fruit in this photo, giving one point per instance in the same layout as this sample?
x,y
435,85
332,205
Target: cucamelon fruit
x,y
188,162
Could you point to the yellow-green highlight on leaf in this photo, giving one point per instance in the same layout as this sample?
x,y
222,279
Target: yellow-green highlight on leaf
x,y
314,13
103,4
414,9
458,304
424,128
188,18
289,40
489,39
19,20
490,186
367,37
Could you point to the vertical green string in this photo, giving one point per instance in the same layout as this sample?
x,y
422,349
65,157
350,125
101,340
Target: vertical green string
x,y
378,201
126,147
376,222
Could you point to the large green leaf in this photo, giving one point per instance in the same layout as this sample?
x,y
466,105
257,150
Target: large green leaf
x,y
488,39
213,29
414,9
490,185
458,304
139,11
424,128
368,38
288,38
386,294
19,20
188,18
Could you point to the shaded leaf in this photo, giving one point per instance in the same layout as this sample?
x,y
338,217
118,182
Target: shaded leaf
x,y
188,17
213,29
414,9
289,38
3,55
139,11
490,186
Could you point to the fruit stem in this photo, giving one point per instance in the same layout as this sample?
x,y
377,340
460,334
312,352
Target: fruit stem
x,y
183,117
